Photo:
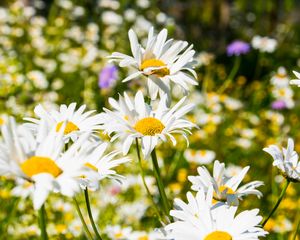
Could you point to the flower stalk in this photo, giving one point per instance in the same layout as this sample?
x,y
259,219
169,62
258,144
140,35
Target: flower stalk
x,y
87,201
145,184
232,74
86,229
42,222
160,185
277,203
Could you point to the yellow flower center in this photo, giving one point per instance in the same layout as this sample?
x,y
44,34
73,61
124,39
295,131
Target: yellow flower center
x,y
280,75
218,235
222,190
36,165
70,127
143,238
202,153
149,126
91,166
119,235
161,72
60,228
1,121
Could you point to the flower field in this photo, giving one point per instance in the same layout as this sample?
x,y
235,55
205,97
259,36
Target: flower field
x,y
149,120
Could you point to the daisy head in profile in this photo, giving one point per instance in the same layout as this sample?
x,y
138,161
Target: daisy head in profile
x,y
77,121
226,189
99,163
133,119
42,163
286,160
162,61
199,219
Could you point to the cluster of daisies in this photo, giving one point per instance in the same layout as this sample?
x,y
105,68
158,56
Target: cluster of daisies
x,y
57,152
61,151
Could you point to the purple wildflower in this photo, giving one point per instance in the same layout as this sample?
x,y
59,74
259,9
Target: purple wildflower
x,y
278,105
237,48
107,76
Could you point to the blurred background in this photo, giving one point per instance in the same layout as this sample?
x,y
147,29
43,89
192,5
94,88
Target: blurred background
x,y
55,51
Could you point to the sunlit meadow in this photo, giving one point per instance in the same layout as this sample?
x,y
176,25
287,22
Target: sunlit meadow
x,y
149,120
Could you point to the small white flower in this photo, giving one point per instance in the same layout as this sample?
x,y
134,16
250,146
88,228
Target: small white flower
x,y
38,79
134,119
118,233
225,189
154,235
280,79
199,220
286,160
297,80
161,60
264,44
232,170
77,121
99,165
111,18
199,156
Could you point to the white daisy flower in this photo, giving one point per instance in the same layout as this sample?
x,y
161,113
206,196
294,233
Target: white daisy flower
x,y
118,233
199,220
41,163
141,235
232,170
161,60
225,189
78,121
133,119
100,164
297,80
286,160
199,156
280,79
264,44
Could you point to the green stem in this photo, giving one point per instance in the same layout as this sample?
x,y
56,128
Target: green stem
x,y
234,70
144,182
42,223
258,65
277,203
161,188
87,201
297,228
86,229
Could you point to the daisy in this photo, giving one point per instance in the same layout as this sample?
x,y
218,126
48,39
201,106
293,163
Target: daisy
x,y
41,163
134,119
118,233
264,44
78,121
297,80
199,156
162,61
141,235
99,164
225,188
280,79
286,160
198,220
